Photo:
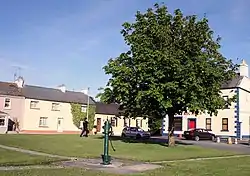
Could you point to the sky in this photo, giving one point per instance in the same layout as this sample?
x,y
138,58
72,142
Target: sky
x,y
54,42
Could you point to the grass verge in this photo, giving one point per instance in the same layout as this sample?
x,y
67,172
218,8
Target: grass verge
x,y
220,167
13,158
92,147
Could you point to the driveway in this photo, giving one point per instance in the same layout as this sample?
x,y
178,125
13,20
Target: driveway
x,y
239,148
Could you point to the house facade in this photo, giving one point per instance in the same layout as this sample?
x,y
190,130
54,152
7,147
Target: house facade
x,y
233,121
118,122
11,105
48,110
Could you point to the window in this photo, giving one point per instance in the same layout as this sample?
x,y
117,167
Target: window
x,y
114,122
125,122
224,124
226,99
2,121
137,123
55,106
7,103
34,105
43,122
84,108
208,124
178,123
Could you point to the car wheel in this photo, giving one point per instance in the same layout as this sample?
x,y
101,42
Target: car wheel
x,y
213,138
138,136
197,138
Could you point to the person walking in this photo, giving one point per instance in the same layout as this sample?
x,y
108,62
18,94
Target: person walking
x,y
85,130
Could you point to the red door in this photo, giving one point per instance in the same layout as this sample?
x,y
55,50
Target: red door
x,y
191,123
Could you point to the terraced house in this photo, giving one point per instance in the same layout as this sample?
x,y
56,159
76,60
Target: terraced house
x,y
39,109
48,110
234,121
11,105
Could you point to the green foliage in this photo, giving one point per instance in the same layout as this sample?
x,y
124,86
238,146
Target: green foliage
x,y
78,115
154,124
173,64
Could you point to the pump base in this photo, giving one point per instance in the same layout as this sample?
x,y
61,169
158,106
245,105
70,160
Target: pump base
x,y
106,159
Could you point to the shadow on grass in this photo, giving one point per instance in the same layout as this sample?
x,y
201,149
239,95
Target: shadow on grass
x,y
155,140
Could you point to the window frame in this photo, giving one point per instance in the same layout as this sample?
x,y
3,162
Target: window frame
x,y
125,122
43,119
226,97
85,107
137,123
5,103
37,103
208,123
114,122
4,119
57,105
180,128
222,124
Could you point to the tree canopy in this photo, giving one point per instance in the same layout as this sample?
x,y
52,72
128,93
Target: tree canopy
x,y
173,64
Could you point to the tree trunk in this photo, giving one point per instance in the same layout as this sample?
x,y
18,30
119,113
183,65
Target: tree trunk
x,y
171,139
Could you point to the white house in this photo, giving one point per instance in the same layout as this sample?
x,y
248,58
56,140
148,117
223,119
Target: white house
x,y
233,121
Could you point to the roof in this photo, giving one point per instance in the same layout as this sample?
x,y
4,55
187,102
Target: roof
x,y
7,88
52,94
107,109
235,82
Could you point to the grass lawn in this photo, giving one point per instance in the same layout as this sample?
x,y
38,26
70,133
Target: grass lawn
x,y
13,158
222,167
73,145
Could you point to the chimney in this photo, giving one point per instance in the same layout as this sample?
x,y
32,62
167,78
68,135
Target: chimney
x,y
19,82
62,88
243,69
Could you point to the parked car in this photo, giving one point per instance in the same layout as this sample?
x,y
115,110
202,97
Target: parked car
x,y
198,134
135,132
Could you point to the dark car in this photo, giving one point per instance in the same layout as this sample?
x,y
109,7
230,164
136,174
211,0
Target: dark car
x,y
135,132
198,134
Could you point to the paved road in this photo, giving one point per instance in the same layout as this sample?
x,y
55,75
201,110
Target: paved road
x,y
239,148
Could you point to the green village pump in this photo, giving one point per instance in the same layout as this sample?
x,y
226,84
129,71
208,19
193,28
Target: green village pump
x,y
106,158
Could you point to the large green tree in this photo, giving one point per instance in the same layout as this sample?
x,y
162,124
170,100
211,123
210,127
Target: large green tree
x,y
173,64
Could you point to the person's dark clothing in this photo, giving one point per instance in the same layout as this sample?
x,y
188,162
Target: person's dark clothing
x,y
85,130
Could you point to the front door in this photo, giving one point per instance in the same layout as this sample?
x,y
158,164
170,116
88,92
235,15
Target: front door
x,y
60,125
98,125
191,123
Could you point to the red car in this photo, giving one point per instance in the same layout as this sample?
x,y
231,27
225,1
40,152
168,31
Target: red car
x,y
198,134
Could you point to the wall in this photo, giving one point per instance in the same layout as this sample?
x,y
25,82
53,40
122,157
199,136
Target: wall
x,y
17,107
120,123
32,116
216,121
244,110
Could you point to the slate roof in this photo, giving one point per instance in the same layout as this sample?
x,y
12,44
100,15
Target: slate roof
x,y
52,94
107,109
235,82
7,88
43,93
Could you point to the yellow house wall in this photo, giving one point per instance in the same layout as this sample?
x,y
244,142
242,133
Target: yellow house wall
x,y
32,116
120,124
